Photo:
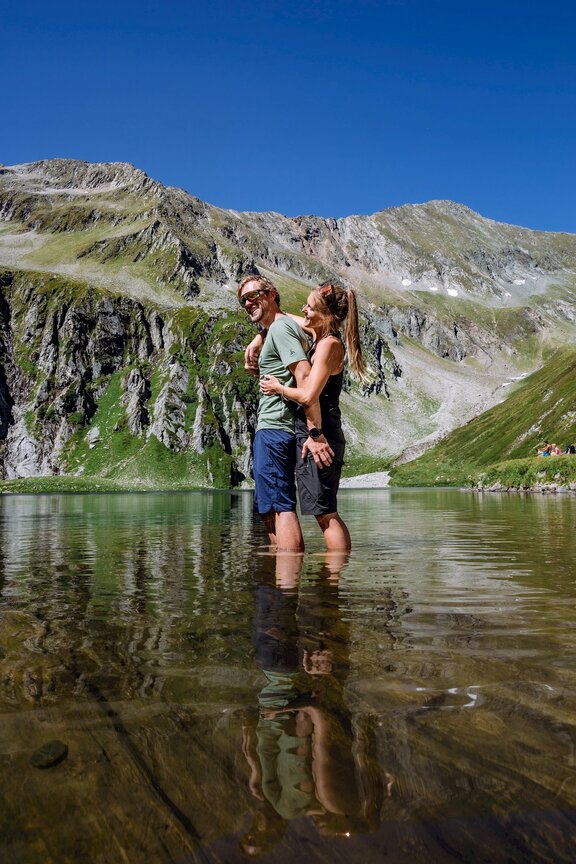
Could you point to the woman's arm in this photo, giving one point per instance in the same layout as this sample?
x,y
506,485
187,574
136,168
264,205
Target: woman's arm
x,y
300,321
327,356
252,351
251,354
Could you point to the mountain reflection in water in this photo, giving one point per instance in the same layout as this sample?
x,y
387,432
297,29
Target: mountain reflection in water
x,y
414,701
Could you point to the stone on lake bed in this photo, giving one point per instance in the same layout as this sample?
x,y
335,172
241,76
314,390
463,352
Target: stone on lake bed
x,y
49,754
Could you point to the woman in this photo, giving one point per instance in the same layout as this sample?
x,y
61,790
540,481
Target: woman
x,y
327,309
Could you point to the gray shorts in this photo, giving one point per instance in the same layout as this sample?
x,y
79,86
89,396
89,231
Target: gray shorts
x,y
318,487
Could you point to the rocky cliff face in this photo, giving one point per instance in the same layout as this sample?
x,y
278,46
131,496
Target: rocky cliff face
x,y
121,340
88,380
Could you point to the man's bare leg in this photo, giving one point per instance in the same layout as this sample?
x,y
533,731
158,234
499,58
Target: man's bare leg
x,y
288,532
288,566
269,520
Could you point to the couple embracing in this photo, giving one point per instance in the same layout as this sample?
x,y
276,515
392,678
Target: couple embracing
x,y
300,363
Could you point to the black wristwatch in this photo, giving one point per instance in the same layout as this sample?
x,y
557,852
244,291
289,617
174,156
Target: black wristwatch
x,y
314,432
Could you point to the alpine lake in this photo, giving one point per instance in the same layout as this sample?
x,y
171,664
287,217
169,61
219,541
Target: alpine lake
x,y
170,691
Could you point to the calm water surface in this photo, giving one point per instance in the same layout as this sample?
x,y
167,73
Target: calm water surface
x,y
413,703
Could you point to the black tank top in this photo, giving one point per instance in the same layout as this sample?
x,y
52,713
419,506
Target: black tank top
x,y
329,402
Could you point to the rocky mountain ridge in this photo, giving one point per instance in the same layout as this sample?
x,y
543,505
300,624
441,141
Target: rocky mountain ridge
x,y
121,340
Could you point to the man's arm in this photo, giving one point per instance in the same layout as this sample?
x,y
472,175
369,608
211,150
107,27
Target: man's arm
x,y
318,447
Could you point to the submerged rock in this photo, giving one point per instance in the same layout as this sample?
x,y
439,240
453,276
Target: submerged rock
x,y
49,754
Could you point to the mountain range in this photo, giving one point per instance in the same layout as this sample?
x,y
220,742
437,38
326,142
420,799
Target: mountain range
x,y
121,339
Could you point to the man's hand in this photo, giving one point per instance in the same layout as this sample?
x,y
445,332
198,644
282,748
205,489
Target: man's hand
x,y
321,451
251,354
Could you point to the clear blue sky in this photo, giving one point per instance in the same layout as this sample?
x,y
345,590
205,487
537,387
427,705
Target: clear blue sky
x,y
327,106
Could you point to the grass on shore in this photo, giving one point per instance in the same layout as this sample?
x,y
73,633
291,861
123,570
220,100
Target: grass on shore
x,y
62,483
528,473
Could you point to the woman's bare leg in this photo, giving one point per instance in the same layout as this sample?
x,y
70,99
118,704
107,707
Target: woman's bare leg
x,y
335,531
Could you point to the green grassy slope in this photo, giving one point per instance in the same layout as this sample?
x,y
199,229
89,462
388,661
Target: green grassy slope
x,y
542,406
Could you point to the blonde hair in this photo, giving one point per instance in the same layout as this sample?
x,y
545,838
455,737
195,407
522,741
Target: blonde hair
x,y
340,307
262,282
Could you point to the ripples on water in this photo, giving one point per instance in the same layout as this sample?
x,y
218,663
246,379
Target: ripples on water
x,y
413,702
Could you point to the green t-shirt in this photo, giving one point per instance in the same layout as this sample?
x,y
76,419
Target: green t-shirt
x,y
285,343
286,763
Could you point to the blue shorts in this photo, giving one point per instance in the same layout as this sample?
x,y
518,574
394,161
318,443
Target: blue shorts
x,y
274,466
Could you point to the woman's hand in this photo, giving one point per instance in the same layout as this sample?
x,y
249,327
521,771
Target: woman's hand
x,y
320,450
251,354
269,384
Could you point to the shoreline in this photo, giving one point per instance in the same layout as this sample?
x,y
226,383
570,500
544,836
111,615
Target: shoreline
x,y
61,484
538,489
376,480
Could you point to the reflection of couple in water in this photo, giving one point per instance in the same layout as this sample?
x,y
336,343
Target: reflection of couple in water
x,y
307,756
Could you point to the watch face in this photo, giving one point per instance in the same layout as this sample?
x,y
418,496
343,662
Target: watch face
x,y
314,433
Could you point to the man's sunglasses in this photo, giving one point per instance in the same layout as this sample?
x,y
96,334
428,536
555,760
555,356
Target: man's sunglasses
x,y
251,295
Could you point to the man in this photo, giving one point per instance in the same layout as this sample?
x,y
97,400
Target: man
x,y
283,355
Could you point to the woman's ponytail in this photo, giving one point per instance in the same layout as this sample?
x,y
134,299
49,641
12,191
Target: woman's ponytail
x,y
352,338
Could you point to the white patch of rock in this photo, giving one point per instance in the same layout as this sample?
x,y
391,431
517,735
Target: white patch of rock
x,y
21,449
93,437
